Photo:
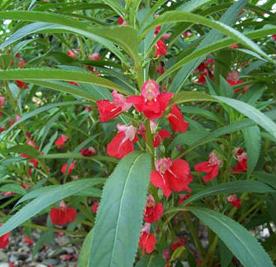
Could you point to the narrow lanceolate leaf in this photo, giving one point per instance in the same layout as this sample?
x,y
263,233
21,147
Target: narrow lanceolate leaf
x,y
85,250
240,242
119,219
232,187
184,97
181,16
45,200
56,74
251,112
252,138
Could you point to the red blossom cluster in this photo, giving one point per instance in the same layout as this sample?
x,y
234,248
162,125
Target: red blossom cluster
x,y
204,70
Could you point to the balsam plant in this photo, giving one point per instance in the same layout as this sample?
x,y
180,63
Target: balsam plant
x,y
144,130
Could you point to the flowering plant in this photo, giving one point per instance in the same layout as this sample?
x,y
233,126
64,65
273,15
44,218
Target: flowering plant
x,y
144,127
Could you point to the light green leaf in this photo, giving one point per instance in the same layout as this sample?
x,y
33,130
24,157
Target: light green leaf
x,y
45,200
251,112
231,187
119,219
252,138
240,242
85,250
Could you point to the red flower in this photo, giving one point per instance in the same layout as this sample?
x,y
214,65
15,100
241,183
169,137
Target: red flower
x,y
68,170
171,176
210,167
95,57
182,198
153,211
234,46
88,152
147,240
178,243
160,68
177,121
160,48
2,129
95,206
63,214
123,143
273,37
27,240
109,110
4,240
241,157
2,101
61,141
121,21
234,201
233,79
157,29
151,102
187,34
21,84
72,54
160,136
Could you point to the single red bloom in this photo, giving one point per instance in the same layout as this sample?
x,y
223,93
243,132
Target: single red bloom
x,y
72,54
95,206
4,240
241,156
151,103
234,46
210,167
61,141
22,85
180,242
2,101
88,152
171,176
182,198
62,215
95,57
234,201
153,211
157,29
160,136
121,21
273,37
201,79
22,63
177,121
109,110
147,242
160,68
160,48
187,34
68,170
27,240
123,143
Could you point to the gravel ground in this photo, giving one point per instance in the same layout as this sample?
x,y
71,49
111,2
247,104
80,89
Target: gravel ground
x,y
59,253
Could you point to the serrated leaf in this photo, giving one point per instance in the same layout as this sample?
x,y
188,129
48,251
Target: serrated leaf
x,y
119,218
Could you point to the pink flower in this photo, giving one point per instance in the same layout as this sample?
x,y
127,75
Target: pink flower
x,y
123,143
210,167
171,176
2,101
95,57
151,103
72,54
95,206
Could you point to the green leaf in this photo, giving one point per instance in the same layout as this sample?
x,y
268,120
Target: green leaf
x,y
231,187
126,36
15,188
119,219
56,74
45,200
184,97
85,250
240,242
265,177
252,138
151,261
251,112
